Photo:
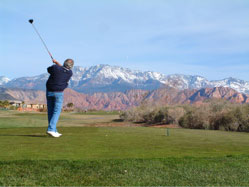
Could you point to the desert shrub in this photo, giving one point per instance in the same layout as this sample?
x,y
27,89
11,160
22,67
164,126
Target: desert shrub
x,y
224,121
4,103
187,120
13,108
244,127
218,105
157,116
217,116
42,110
220,115
147,114
242,115
176,113
193,120
134,115
196,118
79,110
233,118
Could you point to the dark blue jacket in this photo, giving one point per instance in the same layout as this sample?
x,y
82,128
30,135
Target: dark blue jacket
x,y
58,79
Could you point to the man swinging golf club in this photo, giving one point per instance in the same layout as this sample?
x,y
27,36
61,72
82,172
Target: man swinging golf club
x,y
56,83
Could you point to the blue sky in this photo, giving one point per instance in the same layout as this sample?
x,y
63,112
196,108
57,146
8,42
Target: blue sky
x,y
199,37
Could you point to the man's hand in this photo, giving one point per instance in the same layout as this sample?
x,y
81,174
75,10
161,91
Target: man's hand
x,y
56,62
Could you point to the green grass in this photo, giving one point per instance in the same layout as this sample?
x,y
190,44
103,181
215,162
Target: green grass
x,y
224,171
117,156
13,119
94,143
98,112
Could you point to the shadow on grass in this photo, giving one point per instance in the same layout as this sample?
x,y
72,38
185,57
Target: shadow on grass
x,y
117,120
27,135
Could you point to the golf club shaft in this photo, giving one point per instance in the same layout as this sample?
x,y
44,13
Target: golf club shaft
x,y
42,41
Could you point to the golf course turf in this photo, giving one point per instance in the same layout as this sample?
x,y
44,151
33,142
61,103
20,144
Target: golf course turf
x,y
117,156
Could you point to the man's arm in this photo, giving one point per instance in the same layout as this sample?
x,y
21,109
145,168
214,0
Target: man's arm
x,y
51,68
56,62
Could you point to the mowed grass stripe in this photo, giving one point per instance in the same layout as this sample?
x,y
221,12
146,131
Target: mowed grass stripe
x,y
218,171
91,143
14,119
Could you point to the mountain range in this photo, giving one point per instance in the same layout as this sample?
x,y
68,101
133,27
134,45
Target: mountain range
x,y
130,98
116,88
106,78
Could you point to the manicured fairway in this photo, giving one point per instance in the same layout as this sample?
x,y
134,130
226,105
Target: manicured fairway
x,y
221,171
94,143
90,155
13,119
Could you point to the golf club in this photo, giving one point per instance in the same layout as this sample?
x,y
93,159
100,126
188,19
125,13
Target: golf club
x,y
31,22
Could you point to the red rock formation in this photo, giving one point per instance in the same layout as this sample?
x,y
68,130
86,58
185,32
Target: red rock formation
x,y
122,101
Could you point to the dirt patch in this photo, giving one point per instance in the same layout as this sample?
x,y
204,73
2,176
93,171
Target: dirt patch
x,y
127,124
113,124
171,126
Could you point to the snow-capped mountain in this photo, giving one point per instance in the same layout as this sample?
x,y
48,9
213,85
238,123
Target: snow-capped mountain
x,y
236,84
186,81
106,72
106,78
36,82
4,80
196,82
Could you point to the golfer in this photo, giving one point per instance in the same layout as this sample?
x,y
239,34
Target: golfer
x,y
56,83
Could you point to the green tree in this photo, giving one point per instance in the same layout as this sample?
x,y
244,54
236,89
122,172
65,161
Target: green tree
x,y
70,105
4,103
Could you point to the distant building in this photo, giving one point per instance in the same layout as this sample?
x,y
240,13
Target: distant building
x,y
16,103
36,106
32,106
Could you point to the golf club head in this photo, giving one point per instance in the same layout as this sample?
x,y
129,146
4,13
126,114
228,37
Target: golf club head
x,y
31,21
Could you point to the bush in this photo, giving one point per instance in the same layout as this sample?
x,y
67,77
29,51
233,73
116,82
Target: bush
x,y
218,115
149,115
158,116
193,120
4,103
13,108
43,110
176,113
224,121
135,114
196,117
